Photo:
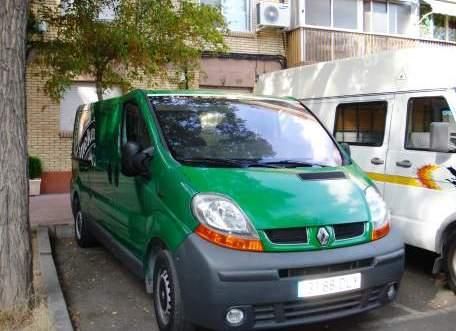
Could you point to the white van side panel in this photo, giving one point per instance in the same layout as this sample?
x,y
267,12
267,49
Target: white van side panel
x,y
420,212
422,196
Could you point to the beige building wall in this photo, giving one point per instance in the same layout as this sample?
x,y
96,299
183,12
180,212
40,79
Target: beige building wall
x,y
265,41
44,140
250,54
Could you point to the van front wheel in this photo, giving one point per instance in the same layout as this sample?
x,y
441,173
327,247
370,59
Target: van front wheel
x,y
450,254
167,296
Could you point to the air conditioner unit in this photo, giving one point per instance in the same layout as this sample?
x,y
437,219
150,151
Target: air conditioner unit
x,y
273,14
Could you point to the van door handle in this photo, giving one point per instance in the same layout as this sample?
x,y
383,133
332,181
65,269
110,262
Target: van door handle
x,y
404,164
377,161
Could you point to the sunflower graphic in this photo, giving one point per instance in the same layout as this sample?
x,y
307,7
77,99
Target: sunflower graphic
x,y
425,176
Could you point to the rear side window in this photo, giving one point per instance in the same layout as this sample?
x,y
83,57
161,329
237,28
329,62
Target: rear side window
x,y
361,123
134,128
421,113
83,134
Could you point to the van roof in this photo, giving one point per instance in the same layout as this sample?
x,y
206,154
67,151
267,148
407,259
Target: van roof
x,y
401,70
195,92
209,93
177,92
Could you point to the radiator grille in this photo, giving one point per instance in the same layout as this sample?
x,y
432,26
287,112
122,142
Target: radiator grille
x,y
316,308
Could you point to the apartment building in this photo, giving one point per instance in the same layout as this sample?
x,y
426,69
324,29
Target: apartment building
x,y
315,31
253,50
323,30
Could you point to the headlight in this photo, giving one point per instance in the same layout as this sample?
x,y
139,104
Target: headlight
x,y
379,213
223,222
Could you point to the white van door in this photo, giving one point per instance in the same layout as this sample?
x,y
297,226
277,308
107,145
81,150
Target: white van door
x,y
421,165
364,123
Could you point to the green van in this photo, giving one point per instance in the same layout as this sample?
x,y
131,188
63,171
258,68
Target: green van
x,y
239,212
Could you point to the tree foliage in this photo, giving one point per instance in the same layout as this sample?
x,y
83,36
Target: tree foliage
x,y
145,39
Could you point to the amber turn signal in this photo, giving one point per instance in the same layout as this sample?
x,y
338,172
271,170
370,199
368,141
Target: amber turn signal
x,y
381,232
229,241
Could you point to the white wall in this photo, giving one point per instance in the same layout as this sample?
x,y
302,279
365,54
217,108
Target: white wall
x,y
77,94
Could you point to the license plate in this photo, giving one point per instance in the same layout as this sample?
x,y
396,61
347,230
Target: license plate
x,y
331,285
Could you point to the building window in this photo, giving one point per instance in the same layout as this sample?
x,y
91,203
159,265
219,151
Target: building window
x,y
452,28
318,12
346,14
107,11
386,17
379,17
399,18
236,13
361,123
332,13
436,26
421,113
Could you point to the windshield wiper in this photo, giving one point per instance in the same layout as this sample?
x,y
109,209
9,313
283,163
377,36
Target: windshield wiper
x,y
256,164
213,161
235,163
293,164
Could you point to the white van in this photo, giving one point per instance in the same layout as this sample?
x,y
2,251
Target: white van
x,y
397,111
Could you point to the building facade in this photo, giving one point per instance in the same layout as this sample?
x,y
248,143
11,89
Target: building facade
x,y
319,30
325,30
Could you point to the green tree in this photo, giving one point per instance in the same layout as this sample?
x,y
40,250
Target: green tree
x,y
145,39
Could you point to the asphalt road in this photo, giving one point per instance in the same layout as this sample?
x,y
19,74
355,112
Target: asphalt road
x,y
103,295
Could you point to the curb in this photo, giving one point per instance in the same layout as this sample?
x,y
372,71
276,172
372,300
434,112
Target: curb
x,y
58,311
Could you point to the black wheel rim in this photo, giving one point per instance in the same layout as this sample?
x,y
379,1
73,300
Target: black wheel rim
x,y
78,225
163,296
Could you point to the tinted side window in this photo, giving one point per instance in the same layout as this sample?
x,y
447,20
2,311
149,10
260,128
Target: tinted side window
x,y
134,127
83,134
421,113
361,123
76,133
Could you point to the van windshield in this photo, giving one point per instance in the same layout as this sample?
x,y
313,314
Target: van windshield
x,y
243,129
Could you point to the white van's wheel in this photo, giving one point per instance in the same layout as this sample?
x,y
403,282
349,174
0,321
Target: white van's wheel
x,y
450,256
81,232
167,295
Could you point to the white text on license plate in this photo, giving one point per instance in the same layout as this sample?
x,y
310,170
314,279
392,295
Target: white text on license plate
x,y
324,286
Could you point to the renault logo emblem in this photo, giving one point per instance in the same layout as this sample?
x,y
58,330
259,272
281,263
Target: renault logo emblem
x,y
323,236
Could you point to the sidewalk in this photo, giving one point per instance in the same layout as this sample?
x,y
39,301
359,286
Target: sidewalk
x,y
50,209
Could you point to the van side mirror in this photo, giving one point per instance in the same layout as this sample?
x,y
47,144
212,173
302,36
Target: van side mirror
x,y
134,162
440,136
346,148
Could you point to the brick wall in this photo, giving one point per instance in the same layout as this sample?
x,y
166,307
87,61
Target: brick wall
x,y
267,41
43,127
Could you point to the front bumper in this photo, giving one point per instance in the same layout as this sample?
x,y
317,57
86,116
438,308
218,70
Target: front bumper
x,y
264,285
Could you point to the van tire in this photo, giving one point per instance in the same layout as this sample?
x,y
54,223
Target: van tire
x,y
450,260
168,303
82,234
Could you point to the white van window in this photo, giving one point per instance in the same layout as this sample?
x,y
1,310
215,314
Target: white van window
x,y
421,113
361,123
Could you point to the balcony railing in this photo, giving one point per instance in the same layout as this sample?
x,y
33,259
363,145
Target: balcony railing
x,y
310,45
